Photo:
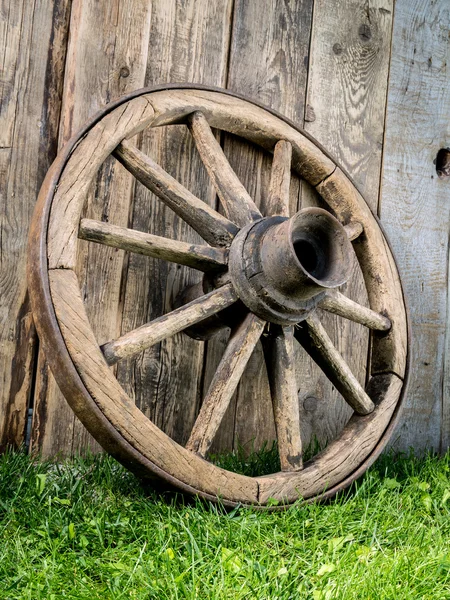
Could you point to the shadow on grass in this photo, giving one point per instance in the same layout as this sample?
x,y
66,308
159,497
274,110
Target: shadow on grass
x,y
20,474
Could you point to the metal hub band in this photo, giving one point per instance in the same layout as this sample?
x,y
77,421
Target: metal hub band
x,y
281,267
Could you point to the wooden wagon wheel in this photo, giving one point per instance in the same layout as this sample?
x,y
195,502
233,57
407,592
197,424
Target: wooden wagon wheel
x,y
275,271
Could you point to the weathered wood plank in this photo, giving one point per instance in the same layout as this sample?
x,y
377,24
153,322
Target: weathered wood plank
x,y
415,209
270,42
345,112
188,42
347,84
107,56
33,38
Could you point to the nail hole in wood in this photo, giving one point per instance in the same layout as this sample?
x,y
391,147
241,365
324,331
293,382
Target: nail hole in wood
x,y
442,163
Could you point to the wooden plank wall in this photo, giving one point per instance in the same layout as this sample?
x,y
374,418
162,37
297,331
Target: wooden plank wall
x,y
367,80
189,42
33,36
415,208
345,105
106,57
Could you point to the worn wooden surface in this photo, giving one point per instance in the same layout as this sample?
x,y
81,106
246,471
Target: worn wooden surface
x,y
202,258
268,62
234,198
33,38
415,209
338,304
325,65
279,354
345,108
214,228
240,346
189,42
135,341
106,57
319,345
123,426
121,411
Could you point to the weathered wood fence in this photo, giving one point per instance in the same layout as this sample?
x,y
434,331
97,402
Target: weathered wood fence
x,y
369,81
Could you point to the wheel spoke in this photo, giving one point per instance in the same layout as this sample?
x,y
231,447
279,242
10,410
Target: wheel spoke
x,y
240,346
354,230
236,201
337,303
280,180
143,337
202,258
211,225
279,354
315,340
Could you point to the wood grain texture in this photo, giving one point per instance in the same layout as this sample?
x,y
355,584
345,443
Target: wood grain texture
x,y
212,226
415,209
354,230
314,338
338,304
347,84
381,278
33,38
223,111
359,438
78,336
234,198
280,180
270,43
196,256
279,354
134,342
106,57
338,192
188,42
86,160
240,347
113,127
345,111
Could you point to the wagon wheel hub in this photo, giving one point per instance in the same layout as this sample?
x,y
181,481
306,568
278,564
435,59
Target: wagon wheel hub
x,y
281,267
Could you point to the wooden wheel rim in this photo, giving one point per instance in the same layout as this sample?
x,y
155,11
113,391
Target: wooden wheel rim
x,y
111,417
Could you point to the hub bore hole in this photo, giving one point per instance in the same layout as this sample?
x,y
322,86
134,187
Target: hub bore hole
x,y
308,257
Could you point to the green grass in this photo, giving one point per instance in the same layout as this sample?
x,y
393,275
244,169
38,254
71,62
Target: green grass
x,y
88,529
254,463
